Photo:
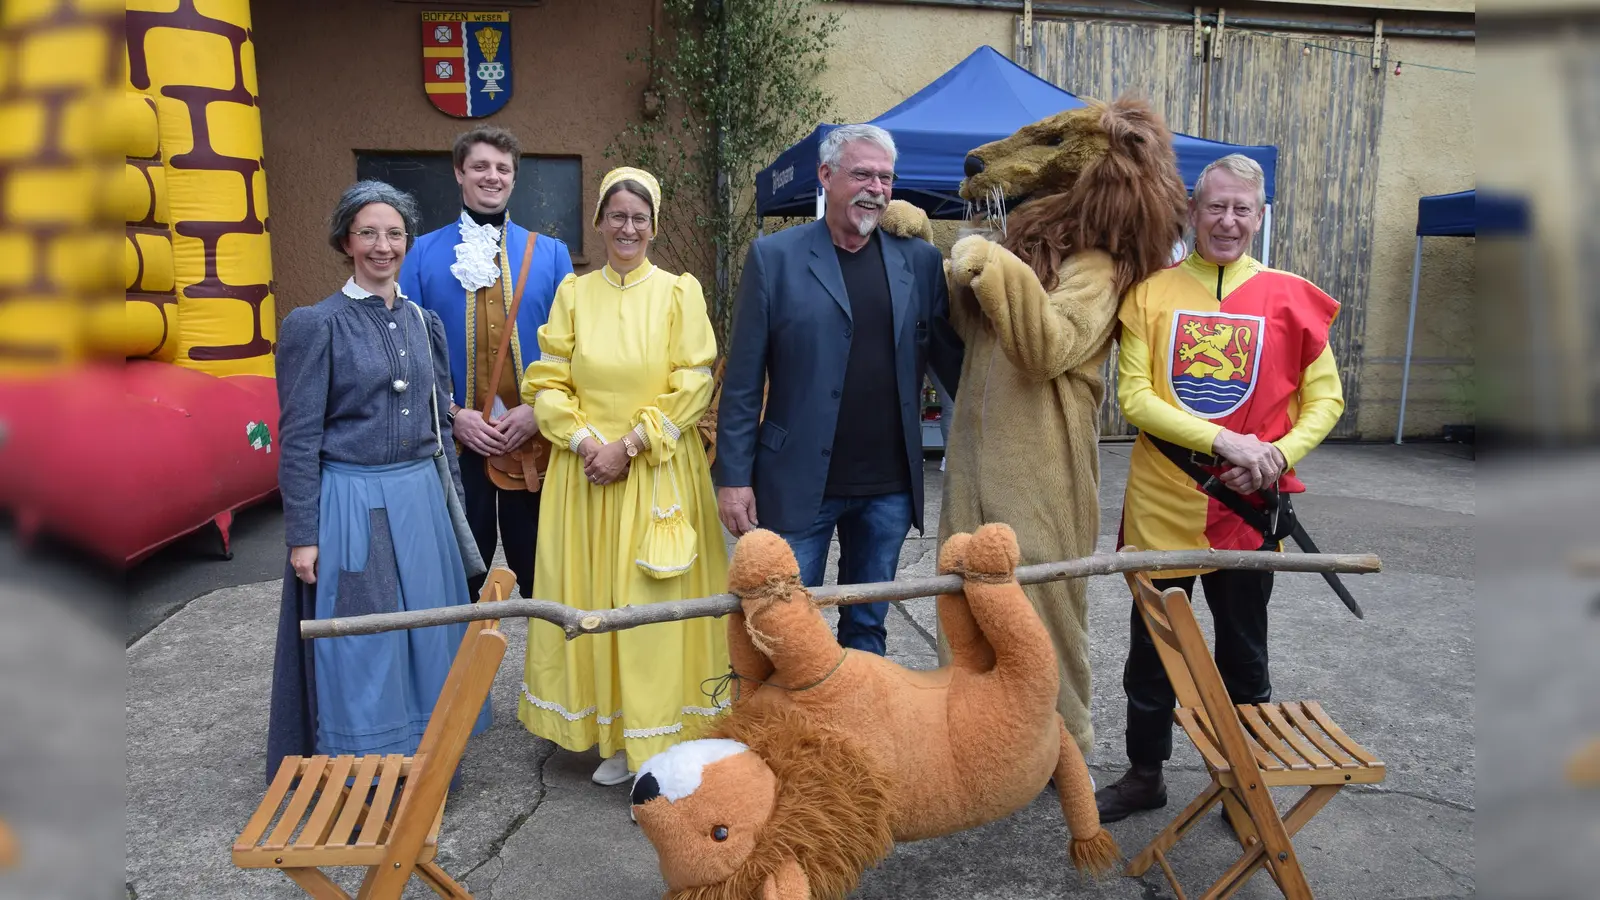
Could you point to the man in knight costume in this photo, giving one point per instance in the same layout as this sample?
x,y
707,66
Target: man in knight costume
x,y
1227,371
470,272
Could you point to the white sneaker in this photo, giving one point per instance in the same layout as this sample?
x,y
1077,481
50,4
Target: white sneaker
x,y
612,771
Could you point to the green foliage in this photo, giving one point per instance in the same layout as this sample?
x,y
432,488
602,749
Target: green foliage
x,y
732,83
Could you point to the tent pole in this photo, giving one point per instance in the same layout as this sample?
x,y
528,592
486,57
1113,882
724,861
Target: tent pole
x,y
822,202
1411,325
761,226
1266,238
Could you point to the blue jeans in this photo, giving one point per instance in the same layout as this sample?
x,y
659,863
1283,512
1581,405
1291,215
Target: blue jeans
x,y
871,532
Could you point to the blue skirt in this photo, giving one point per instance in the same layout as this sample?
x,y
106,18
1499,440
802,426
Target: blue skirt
x,y
385,543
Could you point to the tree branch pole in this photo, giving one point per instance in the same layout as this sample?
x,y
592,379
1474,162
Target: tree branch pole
x,y
575,622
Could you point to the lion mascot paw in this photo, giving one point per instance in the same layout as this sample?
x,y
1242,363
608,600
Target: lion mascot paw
x,y
829,756
906,220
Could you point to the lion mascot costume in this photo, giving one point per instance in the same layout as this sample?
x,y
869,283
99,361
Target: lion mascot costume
x,y
1075,209
829,756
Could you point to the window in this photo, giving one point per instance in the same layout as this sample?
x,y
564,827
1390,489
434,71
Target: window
x,y
548,197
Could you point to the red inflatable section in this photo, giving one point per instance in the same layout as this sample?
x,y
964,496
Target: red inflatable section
x,y
123,459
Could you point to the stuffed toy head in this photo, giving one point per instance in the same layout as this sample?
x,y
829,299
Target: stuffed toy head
x,y
713,796
777,807
1101,177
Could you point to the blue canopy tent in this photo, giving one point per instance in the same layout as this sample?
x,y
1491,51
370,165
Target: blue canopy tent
x,y
983,98
1462,214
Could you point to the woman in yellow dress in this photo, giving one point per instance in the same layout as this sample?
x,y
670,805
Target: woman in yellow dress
x,y
629,516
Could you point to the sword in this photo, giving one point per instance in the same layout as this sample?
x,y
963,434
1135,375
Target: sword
x,y
1265,521
1304,542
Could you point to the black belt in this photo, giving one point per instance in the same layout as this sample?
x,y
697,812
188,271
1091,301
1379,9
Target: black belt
x,y
1275,520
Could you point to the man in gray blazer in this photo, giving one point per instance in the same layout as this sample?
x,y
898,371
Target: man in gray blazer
x,y
839,321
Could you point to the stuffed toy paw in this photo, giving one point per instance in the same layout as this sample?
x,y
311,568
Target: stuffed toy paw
x,y
906,220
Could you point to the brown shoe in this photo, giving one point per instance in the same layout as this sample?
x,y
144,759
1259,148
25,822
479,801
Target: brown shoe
x,y
1140,789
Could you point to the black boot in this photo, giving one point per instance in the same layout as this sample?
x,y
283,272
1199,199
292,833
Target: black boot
x,y
1141,788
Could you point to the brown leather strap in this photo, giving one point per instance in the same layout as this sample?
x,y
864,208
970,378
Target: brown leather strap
x,y
511,326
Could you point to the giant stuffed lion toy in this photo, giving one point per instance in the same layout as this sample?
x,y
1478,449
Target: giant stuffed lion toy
x,y
1073,210
830,756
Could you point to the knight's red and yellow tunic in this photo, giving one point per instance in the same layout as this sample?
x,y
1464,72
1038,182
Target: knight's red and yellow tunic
x,y
1203,348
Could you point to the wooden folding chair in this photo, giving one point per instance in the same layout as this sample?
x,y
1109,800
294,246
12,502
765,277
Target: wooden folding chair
x,y
1247,749
355,817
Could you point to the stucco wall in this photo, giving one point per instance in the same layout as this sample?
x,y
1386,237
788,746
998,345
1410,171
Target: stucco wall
x,y
346,76
1426,146
885,53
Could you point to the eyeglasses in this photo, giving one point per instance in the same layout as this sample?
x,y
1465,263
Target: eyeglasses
x,y
369,236
1241,211
862,176
617,220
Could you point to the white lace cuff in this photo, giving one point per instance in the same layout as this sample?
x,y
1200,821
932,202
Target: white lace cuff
x,y
551,357
579,436
644,439
670,428
474,267
702,370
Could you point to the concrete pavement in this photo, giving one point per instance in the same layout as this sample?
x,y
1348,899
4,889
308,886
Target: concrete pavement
x,y
527,823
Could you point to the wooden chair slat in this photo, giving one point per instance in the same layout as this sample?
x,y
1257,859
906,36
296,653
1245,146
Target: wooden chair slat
x,y
1274,715
1350,746
1314,733
1202,740
357,799
298,802
333,793
1269,739
372,824
257,826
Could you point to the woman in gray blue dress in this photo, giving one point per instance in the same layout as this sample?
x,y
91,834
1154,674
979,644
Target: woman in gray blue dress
x,y
366,511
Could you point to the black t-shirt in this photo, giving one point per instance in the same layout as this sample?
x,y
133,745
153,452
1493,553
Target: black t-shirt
x,y
869,451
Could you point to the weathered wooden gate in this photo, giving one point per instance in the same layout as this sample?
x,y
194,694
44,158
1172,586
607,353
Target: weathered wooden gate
x,y
1321,109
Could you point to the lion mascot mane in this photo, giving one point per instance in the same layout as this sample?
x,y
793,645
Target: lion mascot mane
x,y
1076,208
829,756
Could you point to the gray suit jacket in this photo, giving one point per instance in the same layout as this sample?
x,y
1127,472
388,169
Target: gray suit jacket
x,y
791,331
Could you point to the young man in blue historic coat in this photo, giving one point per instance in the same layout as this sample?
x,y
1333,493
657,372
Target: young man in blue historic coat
x,y
468,272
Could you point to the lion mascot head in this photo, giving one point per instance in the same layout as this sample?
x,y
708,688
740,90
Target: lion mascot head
x,y
1101,177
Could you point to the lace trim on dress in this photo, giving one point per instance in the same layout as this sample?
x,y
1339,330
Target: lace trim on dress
x,y
633,733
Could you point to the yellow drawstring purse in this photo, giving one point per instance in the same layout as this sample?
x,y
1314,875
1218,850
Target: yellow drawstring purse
x,y
667,547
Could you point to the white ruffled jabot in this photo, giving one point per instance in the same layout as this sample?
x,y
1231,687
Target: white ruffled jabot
x,y
475,266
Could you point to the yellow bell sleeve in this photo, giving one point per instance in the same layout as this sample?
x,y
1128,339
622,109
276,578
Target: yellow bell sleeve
x,y
676,412
1142,407
1321,404
547,384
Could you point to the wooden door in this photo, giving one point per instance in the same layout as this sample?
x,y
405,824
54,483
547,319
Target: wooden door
x,y
1321,110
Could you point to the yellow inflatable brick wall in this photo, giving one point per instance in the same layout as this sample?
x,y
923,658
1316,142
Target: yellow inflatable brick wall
x,y
197,260
152,324
57,184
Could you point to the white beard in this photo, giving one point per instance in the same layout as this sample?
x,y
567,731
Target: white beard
x,y
868,223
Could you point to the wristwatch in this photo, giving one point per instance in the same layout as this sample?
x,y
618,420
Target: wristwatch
x,y
450,414
628,445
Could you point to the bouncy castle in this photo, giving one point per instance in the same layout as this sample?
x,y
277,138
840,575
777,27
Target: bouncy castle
x,y
125,432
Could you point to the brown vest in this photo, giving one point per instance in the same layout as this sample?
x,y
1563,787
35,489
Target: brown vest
x,y
490,318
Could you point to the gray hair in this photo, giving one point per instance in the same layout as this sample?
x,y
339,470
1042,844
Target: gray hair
x,y
363,194
1242,167
833,145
